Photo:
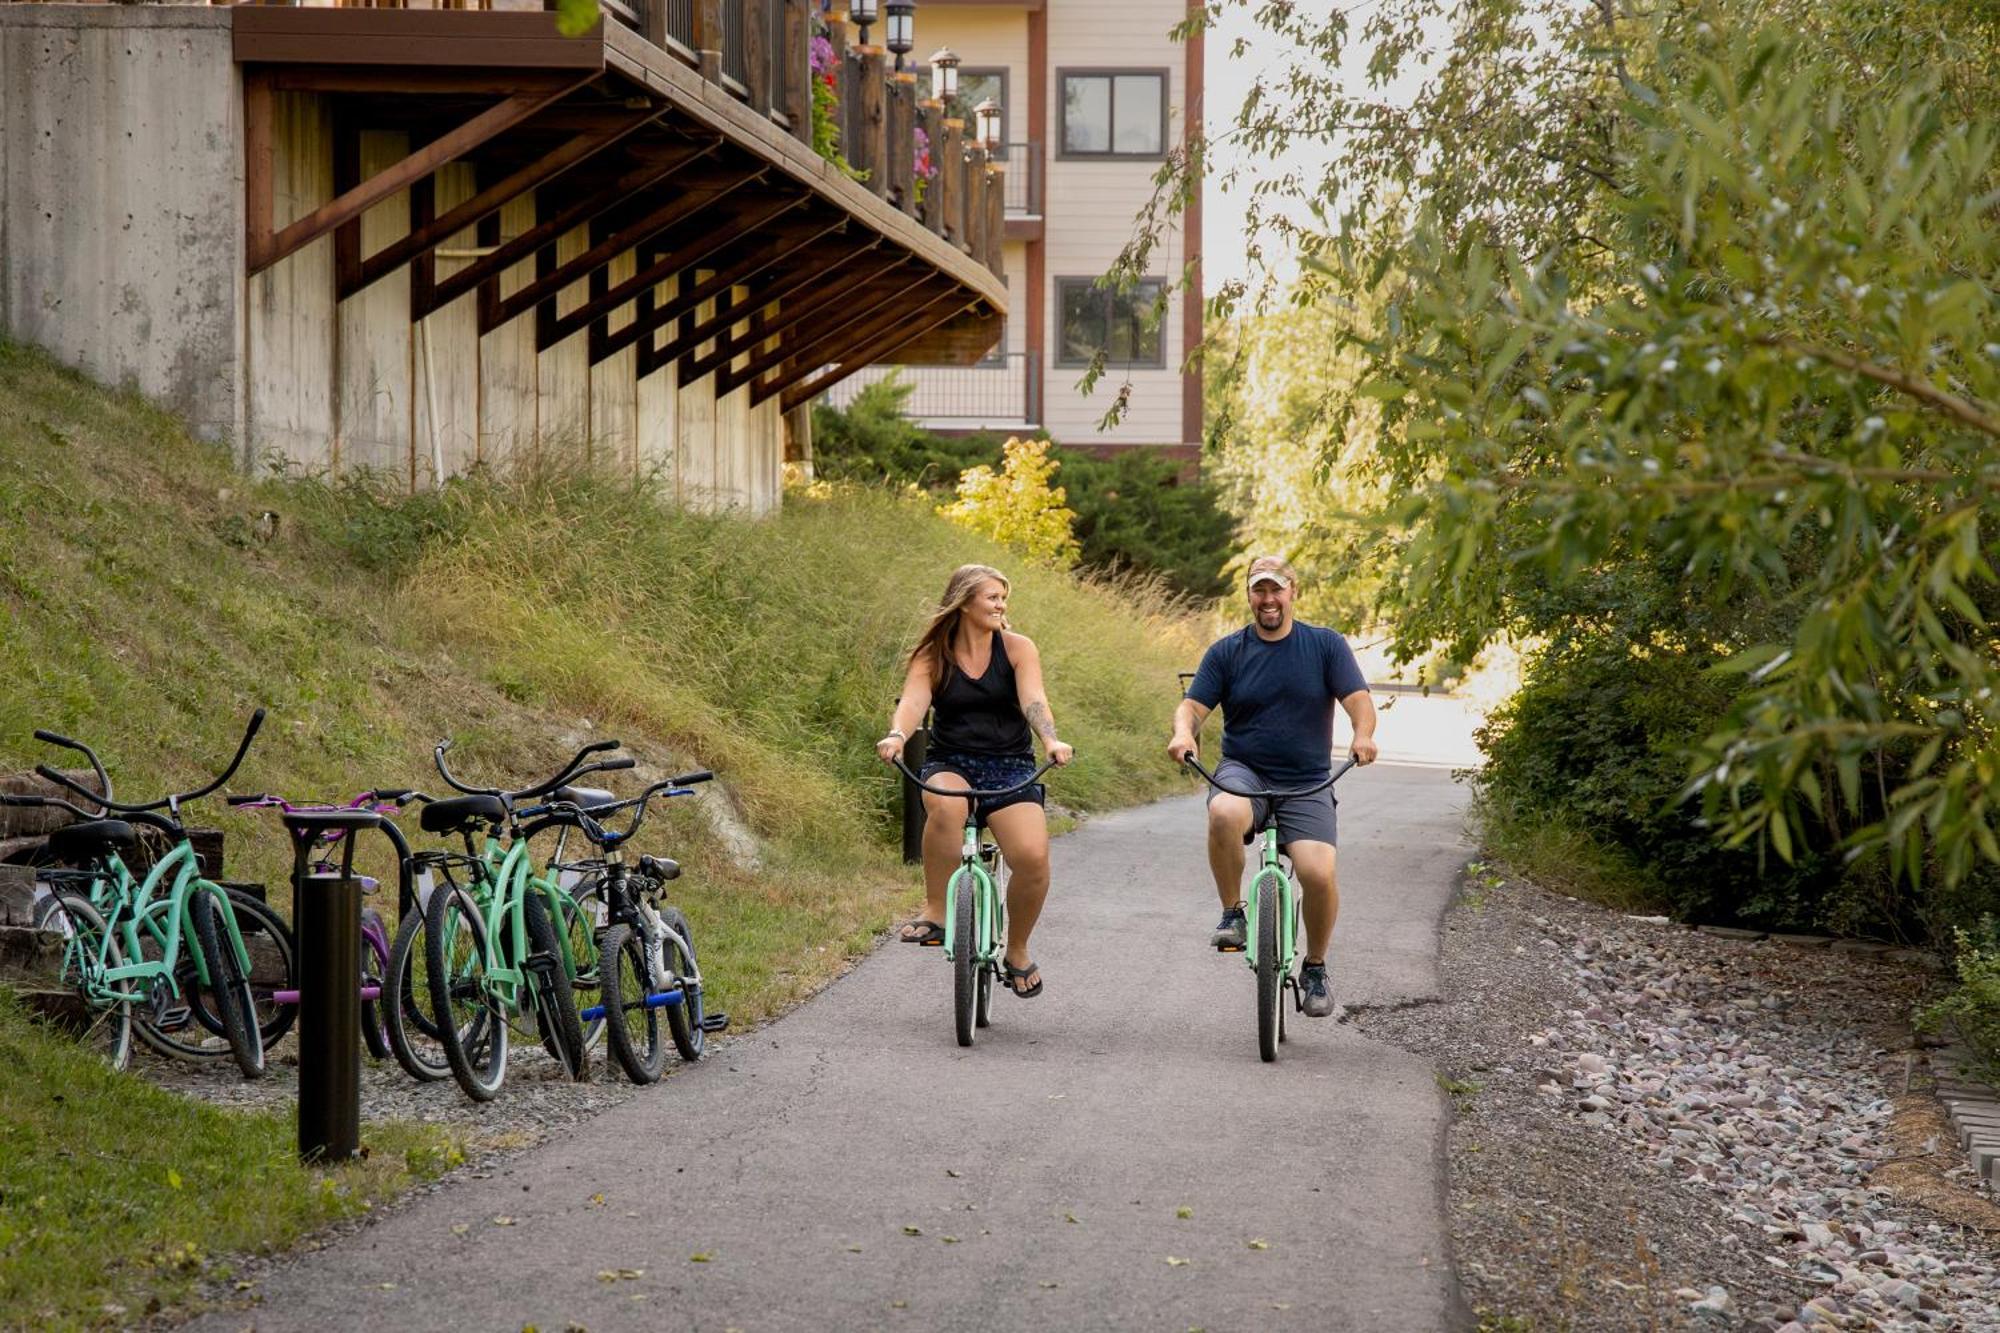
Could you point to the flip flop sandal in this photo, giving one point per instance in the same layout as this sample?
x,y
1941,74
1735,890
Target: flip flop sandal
x,y
1014,974
928,933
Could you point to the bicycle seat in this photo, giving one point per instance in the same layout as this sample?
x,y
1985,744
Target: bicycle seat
x,y
587,797
460,812
91,839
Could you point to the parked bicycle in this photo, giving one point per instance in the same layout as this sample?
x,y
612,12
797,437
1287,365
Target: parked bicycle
x,y
975,910
163,955
492,946
1272,911
646,956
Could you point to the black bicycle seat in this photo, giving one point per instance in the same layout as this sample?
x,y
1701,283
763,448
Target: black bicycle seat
x,y
91,839
587,797
449,816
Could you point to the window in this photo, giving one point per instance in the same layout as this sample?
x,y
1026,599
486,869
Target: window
x,y
974,87
1114,113
1119,322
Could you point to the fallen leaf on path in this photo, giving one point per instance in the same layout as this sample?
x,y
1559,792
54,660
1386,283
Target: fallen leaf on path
x,y
503,1221
913,1231
1260,1244
854,1249
597,1201
899,1305
1184,1212
949,1240
700,1257
1050,1286
953,1174
1178,1263
1069,1217
460,1228
631,1274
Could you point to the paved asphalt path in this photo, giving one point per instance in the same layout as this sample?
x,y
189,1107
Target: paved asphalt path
x,y
1044,1167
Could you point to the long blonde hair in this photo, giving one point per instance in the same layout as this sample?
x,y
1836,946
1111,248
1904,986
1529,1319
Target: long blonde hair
x,y
934,644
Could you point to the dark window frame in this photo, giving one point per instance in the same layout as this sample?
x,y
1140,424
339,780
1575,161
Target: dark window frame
x,y
1063,151
974,72
1142,301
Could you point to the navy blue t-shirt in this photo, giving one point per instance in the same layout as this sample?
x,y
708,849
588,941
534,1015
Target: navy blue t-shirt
x,y
1278,699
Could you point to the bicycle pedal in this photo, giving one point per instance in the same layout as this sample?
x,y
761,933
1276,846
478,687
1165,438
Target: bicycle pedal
x,y
1231,948
714,1022
172,1017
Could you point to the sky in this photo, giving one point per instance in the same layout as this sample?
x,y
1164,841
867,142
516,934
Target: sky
x,y
1228,82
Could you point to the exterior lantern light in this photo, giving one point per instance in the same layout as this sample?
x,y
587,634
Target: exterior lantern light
x,y
944,74
902,28
863,14
987,117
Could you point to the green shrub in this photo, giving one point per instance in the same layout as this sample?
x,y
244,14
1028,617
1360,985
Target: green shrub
x,y
1972,1008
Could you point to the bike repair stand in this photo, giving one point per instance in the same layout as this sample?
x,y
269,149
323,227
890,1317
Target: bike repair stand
x,y
326,916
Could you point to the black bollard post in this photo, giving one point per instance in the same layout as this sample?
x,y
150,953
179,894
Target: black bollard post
x,y
914,750
326,914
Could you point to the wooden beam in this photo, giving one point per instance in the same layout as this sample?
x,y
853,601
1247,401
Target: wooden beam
x,y
792,373
509,253
682,206
757,53
267,250
258,197
882,348
694,244
861,298
729,346
401,251
889,276
421,42
864,315
684,343
772,251
795,96
440,82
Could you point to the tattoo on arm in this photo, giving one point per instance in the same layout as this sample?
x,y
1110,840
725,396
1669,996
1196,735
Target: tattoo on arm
x,y
1038,718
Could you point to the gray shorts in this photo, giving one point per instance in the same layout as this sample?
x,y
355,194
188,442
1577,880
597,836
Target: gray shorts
x,y
1300,819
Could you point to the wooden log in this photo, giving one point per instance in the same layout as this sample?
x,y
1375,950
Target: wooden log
x,y
38,821
996,216
794,98
900,141
757,53
843,84
708,38
871,120
951,180
930,118
971,236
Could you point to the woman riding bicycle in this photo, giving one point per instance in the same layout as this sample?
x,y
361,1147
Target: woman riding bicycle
x,y
984,683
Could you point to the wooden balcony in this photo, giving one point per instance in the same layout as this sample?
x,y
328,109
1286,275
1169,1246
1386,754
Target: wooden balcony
x,y
666,150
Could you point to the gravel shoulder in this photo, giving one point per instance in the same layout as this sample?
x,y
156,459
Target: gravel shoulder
x,y
1659,1128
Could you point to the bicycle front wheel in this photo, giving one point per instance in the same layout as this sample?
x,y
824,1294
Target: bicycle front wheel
x,y
678,968
375,973
555,1002
632,1029
406,1000
469,1026
965,943
88,951
228,980
1270,988
273,967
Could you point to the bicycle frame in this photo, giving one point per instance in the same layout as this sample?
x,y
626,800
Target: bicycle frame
x,y
130,910
1270,865
985,903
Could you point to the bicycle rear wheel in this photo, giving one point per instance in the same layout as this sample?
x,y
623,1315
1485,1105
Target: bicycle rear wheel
x,y
584,918
983,1009
1270,988
406,1000
471,1030
964,952
273,967
227,979
88,950
555,1002
632,1030
678,968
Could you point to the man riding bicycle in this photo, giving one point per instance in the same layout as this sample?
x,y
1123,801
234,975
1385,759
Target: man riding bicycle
x,y
1277,680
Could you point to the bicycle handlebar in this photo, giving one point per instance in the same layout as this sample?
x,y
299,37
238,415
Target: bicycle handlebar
x,y
970,793
96,766
591,820
574,769
51,775
1313,790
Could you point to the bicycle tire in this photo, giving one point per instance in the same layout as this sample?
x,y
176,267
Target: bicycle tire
x,y
1270,993
228,981
412,1033
456,959
983,1015
555,1001
374,972
632,1030
965,949
107,1028
274,967
684,1020
583,923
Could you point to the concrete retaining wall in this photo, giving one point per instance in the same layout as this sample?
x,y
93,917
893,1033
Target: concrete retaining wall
x,y
121,250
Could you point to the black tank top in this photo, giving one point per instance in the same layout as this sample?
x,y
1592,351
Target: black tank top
x,y
981,715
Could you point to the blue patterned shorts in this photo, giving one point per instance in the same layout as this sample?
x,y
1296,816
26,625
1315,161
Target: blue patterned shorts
x,y
988,772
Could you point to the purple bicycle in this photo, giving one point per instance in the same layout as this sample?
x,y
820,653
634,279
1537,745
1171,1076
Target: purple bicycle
x,y
275,988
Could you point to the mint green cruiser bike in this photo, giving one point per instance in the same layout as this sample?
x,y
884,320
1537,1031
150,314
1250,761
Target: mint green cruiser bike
x,y
975,908
512,941
1271,912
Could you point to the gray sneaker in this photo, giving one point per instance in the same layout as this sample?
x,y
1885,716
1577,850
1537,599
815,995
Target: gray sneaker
x,y
1232,933
1318,992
